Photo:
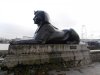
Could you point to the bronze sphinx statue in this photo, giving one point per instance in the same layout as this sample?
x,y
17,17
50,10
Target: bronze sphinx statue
x,y
48,34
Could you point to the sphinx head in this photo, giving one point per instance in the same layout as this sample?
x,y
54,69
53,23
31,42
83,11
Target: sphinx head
x,y
40,17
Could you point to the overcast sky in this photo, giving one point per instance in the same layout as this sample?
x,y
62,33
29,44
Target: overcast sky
x,y
16,16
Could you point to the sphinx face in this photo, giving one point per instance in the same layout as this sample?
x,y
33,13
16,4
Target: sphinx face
x,y
39,18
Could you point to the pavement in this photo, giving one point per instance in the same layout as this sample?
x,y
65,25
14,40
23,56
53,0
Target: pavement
x,y
92,69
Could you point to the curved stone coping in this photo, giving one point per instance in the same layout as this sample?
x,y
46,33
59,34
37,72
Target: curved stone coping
x,y
92,51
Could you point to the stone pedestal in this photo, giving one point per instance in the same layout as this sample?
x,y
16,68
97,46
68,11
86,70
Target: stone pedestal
x,y
47,57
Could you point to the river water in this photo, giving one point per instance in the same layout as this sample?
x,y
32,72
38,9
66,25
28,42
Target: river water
x,y
4,46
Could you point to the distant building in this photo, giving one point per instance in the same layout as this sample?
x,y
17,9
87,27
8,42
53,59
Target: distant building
x,y
92,43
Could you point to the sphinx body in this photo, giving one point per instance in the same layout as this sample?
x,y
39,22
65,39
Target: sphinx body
x,y
48,34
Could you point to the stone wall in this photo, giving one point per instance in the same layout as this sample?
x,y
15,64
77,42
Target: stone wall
x,y
3,52
69,55
95,55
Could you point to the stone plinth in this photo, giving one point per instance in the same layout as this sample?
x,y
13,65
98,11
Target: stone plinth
x,y
69,55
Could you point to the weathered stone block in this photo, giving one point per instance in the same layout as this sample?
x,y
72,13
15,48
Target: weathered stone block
x,y
47,53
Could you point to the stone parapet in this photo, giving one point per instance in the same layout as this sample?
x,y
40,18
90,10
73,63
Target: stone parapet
x,y
71,55
95,55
